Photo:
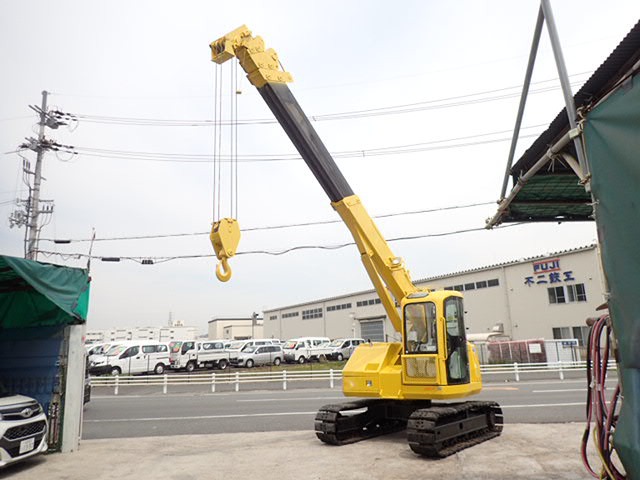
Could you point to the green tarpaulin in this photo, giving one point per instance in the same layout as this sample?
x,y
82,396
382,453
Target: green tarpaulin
x,y
34,294
612,139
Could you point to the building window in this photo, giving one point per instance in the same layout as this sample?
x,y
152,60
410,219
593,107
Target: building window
x,y
568,333
458,288
567,294
582,335
494,282
290,314
576,293
482,284
556,295
312,313
372,301
470,286
448,288
344,306
273,317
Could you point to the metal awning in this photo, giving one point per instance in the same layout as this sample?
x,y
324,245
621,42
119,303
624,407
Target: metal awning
x,y
548,183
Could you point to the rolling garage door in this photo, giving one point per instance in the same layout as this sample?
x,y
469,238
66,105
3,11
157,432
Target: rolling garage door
x,y
372,330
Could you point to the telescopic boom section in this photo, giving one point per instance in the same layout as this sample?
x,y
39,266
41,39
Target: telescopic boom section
x,y
263,69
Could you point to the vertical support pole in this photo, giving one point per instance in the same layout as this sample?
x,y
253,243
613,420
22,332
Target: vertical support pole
x,y
34,200
564,82
284,379
515,369
237,381
165,382
115,391
523,99
331,378
213,382
560,369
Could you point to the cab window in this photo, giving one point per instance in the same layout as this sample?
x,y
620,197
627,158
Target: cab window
x,y
457,361
130,352
420,328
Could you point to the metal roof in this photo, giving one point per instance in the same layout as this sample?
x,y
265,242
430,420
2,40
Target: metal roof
x,y
554,193
433,279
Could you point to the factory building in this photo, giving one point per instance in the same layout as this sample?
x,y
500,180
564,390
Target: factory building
x,y
548,296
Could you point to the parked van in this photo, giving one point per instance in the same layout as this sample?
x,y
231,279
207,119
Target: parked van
x,y
342,348
256,355
128,358
238,346
304,349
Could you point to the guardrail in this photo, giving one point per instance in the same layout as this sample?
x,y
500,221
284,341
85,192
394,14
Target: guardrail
x,y
284,377
236,378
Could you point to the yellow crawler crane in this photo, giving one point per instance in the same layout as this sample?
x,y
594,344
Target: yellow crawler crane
x,y
398,381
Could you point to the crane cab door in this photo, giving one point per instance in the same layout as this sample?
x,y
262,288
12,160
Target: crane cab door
x,y
420,349
456,340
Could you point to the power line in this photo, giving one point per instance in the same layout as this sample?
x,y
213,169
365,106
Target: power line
x,y
449,102
146,260
253,229
282,157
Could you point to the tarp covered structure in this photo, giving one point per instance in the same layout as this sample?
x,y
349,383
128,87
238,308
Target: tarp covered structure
x,y
34,294
609,110
38,303
612,139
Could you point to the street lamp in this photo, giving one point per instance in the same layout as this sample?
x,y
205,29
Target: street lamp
x,y
353,324
254,320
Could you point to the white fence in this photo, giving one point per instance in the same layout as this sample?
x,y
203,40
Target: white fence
x,y
285,377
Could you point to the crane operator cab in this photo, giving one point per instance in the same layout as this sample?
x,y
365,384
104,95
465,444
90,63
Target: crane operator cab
x,y
435,360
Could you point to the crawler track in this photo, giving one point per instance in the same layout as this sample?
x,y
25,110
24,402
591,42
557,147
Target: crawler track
x,y
434,431
351,422
443,430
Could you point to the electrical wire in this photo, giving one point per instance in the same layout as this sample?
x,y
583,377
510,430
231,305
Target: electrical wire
x,y
154,260
272,227
434,104
286,157
601,410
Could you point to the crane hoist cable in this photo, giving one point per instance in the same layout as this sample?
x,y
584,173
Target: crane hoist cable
x,y
225,232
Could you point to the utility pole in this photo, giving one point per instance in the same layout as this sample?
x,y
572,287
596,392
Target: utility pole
x,y
30,210
34,204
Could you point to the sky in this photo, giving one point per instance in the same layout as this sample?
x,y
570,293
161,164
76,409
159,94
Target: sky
x,y
434,87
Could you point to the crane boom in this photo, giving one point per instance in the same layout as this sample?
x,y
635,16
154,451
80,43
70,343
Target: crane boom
x,y
386,271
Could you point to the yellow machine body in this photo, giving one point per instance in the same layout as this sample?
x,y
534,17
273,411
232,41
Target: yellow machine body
x,y
386,370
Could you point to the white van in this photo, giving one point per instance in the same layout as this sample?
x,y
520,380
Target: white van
x,y
238,346
128,358
254,356
304,349
342,348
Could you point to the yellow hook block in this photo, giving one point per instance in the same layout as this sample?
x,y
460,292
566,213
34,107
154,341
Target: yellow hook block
x,y
225,237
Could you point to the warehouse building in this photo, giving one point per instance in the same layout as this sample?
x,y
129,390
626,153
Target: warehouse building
x,y
547,297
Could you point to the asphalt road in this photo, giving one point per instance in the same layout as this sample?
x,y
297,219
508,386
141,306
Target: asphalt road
x,y
108,416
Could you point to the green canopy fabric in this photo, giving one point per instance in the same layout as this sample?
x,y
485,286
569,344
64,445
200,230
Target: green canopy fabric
x,y
612,143
35,294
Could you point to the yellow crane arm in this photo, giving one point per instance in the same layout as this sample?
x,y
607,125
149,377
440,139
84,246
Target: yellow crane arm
x,y
387,271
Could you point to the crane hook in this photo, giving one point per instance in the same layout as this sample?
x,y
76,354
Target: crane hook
x,y
225,236
223,270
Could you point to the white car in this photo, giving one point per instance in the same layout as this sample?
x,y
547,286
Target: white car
x,y
23,428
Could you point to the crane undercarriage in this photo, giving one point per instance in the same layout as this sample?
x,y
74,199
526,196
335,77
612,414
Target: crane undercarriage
x,y
434,430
